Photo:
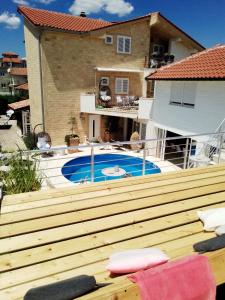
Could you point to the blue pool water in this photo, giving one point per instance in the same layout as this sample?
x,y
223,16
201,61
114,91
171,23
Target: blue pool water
x,y
79,169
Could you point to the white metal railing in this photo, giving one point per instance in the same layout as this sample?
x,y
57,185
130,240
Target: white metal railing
x,y
214,142
57,168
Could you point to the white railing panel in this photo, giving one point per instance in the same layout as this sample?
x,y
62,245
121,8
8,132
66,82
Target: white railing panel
x,y
87,103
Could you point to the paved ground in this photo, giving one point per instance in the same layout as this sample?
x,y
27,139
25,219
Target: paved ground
x,y
10,139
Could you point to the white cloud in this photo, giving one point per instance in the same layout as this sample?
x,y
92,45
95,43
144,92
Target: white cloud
x,y
117,7
45,1
21,2
10,20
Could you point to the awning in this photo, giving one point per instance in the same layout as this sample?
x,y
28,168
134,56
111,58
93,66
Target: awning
x,y
102,69
20,104
200,138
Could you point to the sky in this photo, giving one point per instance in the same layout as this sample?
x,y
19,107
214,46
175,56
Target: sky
x,y
204,20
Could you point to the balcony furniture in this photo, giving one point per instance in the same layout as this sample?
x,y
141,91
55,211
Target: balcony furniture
x,y
119,101
105,95
157,60
44,143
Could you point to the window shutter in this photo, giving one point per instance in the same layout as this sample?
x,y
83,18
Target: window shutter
x,y
127,45
118,86
176,92
189,93
125,86
120,44
122,86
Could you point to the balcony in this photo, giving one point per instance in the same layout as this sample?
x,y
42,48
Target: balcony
x,y
127,107
158,60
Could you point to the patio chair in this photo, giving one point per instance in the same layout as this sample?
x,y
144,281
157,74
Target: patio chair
x,y
119,101
44,143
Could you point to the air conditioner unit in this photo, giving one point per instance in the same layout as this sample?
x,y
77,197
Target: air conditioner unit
x,y
109,39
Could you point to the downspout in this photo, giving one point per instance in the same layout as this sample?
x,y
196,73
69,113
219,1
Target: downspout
x,y
41,80
149,49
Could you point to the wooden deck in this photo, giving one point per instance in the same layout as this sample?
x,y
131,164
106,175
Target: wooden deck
x,y
54,235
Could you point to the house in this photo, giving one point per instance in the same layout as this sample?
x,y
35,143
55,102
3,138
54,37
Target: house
x,y
190,96
94,71
18,77
12,72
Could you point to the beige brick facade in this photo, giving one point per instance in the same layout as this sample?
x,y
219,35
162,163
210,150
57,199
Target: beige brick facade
x,y
68,64
68,69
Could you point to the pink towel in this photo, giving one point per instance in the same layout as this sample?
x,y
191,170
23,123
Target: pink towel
x,y
189,278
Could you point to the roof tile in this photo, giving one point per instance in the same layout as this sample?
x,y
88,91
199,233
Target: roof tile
x,y
208,64
40,17
18,71
19,104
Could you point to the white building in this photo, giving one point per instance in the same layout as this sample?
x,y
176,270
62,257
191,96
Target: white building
x,y
190,95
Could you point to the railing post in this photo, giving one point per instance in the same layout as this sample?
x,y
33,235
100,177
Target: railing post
x,y
144,160
1,196
220,147
186,154
92,164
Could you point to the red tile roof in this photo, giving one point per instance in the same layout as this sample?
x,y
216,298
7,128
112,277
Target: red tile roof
x,y
22,87
19,104
45,18
10,53
18,71
11,59
208,64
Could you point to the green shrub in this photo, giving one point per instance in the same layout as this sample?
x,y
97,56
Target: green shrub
x,y
10,98
22,175
30,141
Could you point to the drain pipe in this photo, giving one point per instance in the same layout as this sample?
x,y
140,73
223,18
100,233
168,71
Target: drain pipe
x,y
41,79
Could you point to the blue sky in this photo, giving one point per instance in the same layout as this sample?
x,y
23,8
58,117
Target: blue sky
x,y
204,20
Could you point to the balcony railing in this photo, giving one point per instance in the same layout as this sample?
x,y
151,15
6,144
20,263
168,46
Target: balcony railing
x,y
128,105
55,167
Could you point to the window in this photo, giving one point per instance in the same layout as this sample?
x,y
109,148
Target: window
x,y
124,44
105,81
3,85
109,39
183,93
122,86
2,74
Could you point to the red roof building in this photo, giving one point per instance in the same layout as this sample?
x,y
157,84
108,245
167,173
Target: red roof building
x,y
208,64
61,21
23,87
20,104
18,71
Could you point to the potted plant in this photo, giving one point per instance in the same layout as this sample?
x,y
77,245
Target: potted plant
x,y
72,139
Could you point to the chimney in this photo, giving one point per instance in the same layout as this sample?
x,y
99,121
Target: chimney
x,y
83,14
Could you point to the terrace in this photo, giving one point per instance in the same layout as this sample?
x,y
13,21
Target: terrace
x,y
52,235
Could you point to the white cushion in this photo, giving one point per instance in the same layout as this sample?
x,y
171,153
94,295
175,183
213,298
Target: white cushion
x,y
220,230
103,93
134,260
212,218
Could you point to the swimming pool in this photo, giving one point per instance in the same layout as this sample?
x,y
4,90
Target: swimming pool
x,y
106,167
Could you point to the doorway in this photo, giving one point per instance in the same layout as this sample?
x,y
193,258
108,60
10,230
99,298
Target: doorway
x,y
94,127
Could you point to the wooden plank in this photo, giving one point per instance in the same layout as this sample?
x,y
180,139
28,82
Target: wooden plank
x,y
108,192
89,214
75,261
97,268
165,218
97,240
107,200
103,186
84,228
